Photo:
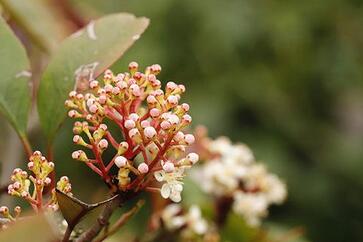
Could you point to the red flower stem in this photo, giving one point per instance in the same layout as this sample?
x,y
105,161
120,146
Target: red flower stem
x,y
112,140
94,168
161,152
152,189
39,197
99,160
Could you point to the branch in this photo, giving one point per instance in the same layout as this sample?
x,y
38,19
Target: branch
x,y
122,220
102,221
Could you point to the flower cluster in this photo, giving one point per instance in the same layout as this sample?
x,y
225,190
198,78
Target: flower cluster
x,y
191,223
150,120
232,172
31,187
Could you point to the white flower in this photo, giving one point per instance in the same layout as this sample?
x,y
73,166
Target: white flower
x,y
233,172
251,206
173,185
170,218
192,221
195,221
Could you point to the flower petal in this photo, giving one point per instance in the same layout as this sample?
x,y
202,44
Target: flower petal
x,y
165,190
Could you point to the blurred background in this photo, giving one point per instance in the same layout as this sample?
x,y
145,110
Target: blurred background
x,y
284,77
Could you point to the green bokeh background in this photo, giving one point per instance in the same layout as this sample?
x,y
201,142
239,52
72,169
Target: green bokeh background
x,y
285,77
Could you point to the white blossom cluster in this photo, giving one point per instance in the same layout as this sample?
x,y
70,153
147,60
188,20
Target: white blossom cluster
x,y
232,172
191,223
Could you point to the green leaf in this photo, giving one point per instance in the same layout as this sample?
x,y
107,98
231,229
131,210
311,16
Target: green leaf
x,y
14,90
31,228
73,209
98,46
38,20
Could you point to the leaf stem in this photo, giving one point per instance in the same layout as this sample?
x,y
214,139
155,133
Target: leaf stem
x,y
121,221
26,144
102,221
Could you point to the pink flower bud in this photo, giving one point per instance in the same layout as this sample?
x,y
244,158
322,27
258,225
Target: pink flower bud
x,y
76,138
116,90
179,136
47,181
143,168
108,88
185,107
31,165
168,167
145,123
149,132
122,85
4,210
37,153
189,139
72,94
133,66
17,210
131,81
120,161
165,125
129,124
64,179
182,88
102,99
134,132
138,76
173,100
135,90
134,117
155,112
171,86
155,69
93,84
193,157
24,174
158,92
16,185
80,96
120,77
90,102
103,127
24,194
51,165
93,108
76,154
151,99
103,144
156,84
173,119
151,78
187,119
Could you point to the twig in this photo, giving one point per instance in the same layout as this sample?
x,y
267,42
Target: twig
x,y
121,221
102,221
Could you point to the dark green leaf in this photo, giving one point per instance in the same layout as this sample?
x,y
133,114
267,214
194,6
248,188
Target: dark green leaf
x,y
99,45
14,90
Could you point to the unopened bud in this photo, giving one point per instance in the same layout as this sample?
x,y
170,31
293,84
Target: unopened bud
x,y
143,168
120,161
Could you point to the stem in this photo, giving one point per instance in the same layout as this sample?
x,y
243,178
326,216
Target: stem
x,y
121,221
50,156
223,206
26,144
68,233
102,221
